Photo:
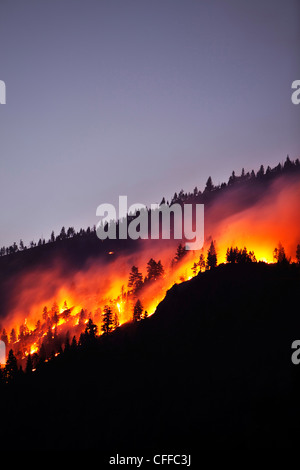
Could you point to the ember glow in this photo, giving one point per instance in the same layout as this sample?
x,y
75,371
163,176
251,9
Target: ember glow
x,y
51,302
47,305
273,219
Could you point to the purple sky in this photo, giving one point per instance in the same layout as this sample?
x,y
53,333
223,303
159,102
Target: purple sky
x,y
138,97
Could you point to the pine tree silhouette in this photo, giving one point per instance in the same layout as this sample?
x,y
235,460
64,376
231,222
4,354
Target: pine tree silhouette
x,y
211,256
107,320
137,310
11,367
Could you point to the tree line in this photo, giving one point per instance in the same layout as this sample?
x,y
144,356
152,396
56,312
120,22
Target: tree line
x,y
262,175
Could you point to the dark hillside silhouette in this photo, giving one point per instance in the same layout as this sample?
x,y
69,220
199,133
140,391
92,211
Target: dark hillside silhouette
x,y
211,369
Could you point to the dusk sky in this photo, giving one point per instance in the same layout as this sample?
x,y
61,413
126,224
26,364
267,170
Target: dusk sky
x,y
138,98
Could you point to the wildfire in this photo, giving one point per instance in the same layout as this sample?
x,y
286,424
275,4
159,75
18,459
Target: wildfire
x,y
51,323
34,348
49,305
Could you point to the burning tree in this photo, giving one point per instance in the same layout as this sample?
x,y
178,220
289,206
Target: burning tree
x,y
180,253
236,255
145,315
154,270
212,260
280,255
107,320
137,310
29,365
11,367
55,313
116,322
199,266
91,329
13,336
135,282
195,268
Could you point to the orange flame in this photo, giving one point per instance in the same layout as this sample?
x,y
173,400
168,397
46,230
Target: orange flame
x,y
259,227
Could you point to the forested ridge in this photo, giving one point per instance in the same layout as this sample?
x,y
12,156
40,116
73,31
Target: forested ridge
x,y
87,239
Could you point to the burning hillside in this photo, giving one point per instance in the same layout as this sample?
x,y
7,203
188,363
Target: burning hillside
x,y
51,306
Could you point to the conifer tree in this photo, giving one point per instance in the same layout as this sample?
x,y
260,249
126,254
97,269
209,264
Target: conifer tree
x,y
11,367
29,366
137,310
180,253
154,270
211,261
135,282
107,320
91,329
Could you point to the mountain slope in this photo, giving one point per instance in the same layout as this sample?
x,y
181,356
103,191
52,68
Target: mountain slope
x,y
210,369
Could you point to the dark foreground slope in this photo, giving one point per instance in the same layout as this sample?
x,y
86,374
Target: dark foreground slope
x,y
211,369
